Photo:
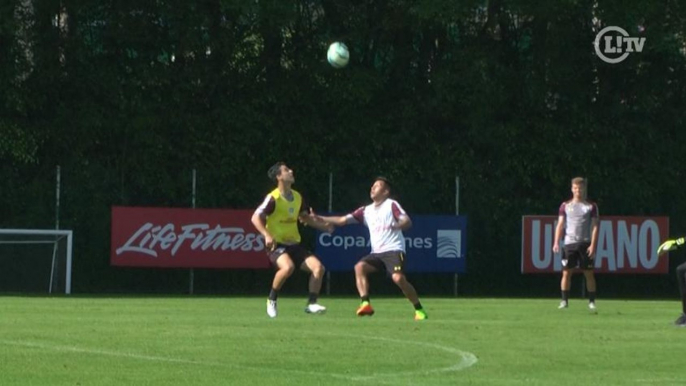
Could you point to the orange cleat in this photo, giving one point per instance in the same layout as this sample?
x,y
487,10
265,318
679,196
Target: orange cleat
x,y
365,309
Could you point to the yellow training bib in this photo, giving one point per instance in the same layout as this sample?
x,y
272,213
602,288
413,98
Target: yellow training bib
x,y
283,222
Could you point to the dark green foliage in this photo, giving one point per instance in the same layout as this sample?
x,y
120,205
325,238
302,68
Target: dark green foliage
x,y
128,97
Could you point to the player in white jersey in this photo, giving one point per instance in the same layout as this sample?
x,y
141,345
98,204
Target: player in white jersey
x,y
578,220
386,220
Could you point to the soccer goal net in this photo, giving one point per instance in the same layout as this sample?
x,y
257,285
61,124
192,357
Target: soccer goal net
x,y
35,260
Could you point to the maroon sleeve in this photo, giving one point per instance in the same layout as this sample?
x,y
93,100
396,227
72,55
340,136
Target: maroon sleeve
x,y
594,210
358,215
561,211
266,207
397,210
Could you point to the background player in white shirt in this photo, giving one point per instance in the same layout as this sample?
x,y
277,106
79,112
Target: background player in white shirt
x,y
386,220
578,221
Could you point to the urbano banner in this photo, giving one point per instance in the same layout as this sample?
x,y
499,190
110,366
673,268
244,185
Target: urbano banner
x,y
188,238
433,244
625,245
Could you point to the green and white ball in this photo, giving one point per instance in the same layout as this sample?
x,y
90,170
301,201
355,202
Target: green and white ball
x,y
338,55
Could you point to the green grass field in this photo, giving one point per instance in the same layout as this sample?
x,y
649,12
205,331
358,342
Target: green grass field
x,y
230,341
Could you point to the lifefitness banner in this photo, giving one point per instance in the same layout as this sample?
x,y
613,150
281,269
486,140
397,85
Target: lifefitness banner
x,y
625,245
189,238
433,244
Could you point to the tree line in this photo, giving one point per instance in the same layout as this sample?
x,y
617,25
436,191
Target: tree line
x,y
128,97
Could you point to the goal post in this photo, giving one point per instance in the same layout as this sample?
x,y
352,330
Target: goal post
x,y
56,237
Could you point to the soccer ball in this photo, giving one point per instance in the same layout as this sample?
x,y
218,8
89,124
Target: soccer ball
x,y
338,55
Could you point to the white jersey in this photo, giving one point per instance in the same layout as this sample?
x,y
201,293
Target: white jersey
x,y
579,218
379,220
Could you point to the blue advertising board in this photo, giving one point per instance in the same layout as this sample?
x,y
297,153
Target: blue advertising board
x,y
433,244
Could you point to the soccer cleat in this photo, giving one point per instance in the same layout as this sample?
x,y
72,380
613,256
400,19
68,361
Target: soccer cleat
x,y
420,315
563,304
680,321
365,309
271,308
591,307
315,308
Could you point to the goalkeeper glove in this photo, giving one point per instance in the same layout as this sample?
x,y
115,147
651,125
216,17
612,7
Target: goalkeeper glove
x,y
671,245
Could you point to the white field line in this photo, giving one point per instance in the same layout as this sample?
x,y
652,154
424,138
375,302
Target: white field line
x,y
466,359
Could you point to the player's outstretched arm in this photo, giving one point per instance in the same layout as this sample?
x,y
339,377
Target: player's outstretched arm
x,y
338,221
315,221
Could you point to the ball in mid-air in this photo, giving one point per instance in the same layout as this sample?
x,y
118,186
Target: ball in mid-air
x,y
338,55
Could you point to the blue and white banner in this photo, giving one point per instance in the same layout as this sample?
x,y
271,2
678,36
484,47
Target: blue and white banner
x,y
433,244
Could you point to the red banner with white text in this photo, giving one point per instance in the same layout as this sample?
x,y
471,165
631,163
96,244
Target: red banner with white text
x,y
187,238
625,245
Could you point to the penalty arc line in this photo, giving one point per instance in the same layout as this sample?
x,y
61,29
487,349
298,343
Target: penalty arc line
x,y
119,354
467,359
153,358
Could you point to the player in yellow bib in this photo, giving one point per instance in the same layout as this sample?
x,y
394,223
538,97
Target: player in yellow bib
x,y
277,220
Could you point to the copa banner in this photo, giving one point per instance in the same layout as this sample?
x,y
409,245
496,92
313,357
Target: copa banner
x,y
188,238
433,244
625,245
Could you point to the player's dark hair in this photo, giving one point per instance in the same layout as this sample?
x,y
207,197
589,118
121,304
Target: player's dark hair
x,y
274,171
386,182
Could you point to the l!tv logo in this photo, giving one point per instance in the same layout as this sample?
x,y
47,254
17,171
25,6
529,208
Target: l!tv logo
x,y
613,44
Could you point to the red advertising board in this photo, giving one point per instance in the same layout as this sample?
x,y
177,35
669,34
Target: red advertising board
x,y
625,245
189,238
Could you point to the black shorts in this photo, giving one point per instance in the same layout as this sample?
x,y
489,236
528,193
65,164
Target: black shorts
x,y
575,256
297,253
393,261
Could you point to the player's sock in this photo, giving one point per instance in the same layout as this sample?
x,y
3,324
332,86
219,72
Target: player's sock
x,y
312,299
273,294
565,296
591,297
365,298
418,306
683,303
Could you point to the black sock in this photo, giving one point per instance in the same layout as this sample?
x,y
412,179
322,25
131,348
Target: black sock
x,y
273,294
312,299
683,303
418,306
591,296
365,298
565,296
